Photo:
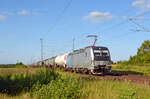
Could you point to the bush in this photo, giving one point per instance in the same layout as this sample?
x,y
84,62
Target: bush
x,y
15,84
20,65
61,88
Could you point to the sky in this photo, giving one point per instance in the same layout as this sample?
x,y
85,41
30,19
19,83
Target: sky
x,y
58,22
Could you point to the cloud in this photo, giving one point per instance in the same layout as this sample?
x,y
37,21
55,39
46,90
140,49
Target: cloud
x,y
6,13
24,12
2,17
142,4
96,16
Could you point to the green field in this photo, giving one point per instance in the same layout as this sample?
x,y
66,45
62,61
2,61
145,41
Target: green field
x,y
29,83
131,69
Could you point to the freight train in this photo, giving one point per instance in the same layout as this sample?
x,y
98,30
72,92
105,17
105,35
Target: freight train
x,y
91,59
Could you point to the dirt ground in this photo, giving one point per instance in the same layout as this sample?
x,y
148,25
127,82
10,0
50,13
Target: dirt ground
x,y
135,79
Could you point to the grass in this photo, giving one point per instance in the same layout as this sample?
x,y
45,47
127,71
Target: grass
x,y
132,69
6,71
23,96
114,90
14,84
57,84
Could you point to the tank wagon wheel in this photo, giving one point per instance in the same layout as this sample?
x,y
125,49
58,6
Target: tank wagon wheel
x,y
65,66
66,69
50,66
76,70
86,71
72,70
91,72
81,71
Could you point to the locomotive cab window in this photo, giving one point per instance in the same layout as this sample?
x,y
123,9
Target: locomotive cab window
x,y
101,55
97,54
105,53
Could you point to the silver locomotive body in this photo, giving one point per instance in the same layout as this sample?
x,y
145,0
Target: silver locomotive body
x,y
93,58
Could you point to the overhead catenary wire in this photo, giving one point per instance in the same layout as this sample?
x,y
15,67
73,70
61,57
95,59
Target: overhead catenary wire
x,y
124,11
59,17
116,25
121,12
110,27
139,25
122,22
119,24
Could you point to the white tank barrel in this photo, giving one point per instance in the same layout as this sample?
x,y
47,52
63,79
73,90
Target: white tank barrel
x,y
61,60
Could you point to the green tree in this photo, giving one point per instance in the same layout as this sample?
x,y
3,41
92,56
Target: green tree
x,y
142,57
144,47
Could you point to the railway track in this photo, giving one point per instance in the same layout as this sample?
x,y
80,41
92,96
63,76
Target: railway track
x,y
135,79
113,76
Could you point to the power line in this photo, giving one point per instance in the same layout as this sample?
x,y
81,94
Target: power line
x,y
58,19
121,12
112,26
141,14
119,24
122,22
84,34
141,18
139,25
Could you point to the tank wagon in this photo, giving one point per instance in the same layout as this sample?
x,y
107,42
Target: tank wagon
x,y
91,59
57,61
50,62
39,63
61,61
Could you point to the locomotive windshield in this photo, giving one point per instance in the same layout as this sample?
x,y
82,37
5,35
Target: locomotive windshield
x,y
101,54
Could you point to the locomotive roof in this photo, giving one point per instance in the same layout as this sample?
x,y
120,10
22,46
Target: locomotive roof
x,y
94,47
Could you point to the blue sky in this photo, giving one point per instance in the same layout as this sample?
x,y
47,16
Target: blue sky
x,y
24,22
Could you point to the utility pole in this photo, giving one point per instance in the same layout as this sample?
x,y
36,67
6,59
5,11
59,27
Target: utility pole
x,y
41,51
73,44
